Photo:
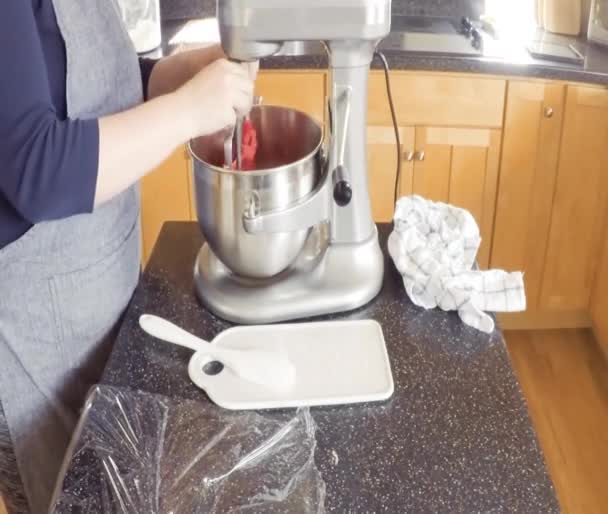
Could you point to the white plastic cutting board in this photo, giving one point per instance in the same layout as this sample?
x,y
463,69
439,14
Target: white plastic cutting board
x,y
337,362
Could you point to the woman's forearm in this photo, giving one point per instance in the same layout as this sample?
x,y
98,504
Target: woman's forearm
x,y
133,142
173,71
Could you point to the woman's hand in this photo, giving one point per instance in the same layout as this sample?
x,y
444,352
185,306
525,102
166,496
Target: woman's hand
x,y
214,97
133,142
170,73
174,71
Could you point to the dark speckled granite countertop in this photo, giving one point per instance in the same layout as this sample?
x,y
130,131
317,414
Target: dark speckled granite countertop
x,y
501,57
455,436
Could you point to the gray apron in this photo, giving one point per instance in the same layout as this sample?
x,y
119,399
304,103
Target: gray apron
x,y
65,284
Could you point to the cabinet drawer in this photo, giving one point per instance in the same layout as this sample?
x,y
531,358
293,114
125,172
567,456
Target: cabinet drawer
x,y
437,100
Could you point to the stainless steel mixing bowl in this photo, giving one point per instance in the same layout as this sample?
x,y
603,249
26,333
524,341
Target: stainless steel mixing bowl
x,y
289,166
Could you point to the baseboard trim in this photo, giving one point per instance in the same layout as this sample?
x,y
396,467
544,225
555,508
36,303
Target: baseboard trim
x,y
544,320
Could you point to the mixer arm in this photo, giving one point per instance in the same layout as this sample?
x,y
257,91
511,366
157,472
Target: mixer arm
x,y
305,214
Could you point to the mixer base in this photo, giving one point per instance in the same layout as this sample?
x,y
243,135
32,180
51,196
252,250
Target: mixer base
x,y
342,277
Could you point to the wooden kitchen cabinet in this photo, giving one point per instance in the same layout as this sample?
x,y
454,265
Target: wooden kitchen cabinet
x,y
580,203
165,196
528,170
302,90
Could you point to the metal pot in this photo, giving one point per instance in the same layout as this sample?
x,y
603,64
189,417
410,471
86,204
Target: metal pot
x,y
289,166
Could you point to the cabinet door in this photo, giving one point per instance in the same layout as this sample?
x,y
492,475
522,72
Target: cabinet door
x,y
460,166
599,303
580,204
382,168
433,165
303,90
165,195
527,181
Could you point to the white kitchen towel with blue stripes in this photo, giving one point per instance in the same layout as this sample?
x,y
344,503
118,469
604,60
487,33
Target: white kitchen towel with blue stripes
x,y
434,246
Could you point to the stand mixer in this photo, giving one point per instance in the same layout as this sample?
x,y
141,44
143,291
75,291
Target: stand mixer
x,y
340,265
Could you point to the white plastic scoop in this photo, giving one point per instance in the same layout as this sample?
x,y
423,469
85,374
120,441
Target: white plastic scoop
x,y
269,368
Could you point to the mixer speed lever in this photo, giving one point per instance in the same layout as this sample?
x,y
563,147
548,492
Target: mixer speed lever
x,y
343,192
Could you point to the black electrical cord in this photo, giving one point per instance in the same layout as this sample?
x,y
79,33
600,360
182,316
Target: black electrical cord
x,y
380,55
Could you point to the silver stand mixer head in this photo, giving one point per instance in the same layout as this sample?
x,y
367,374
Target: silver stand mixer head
x,y
341,265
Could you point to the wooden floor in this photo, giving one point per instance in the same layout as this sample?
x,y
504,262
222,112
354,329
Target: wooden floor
x,y
564,377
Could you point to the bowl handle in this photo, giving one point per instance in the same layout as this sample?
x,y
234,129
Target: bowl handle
x,y
305,214
334,186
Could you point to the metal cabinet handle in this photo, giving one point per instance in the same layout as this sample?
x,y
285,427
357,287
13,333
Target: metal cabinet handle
x,y
419,156
408,156
548,112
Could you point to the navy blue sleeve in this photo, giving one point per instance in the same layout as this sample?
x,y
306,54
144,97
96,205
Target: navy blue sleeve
x,y
48,165
146,65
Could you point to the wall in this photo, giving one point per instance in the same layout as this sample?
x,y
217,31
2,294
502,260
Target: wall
x,y
180,9
184,9
470,8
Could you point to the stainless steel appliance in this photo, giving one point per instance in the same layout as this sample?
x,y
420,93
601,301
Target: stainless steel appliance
x,y
337,263
598,22
560,53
